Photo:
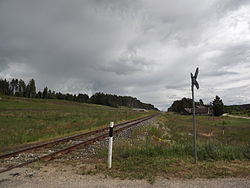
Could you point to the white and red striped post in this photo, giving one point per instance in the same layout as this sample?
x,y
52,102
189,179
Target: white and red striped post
x,y
110,144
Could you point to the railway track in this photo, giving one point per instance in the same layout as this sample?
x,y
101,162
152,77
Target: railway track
x,y
52,149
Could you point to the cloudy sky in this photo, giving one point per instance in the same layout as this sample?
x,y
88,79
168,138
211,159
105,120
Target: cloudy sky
x,y
142,48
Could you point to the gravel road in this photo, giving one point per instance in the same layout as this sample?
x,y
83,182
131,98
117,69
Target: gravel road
x,y
233,116
53,177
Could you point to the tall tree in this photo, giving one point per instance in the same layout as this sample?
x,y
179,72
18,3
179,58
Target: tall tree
x,y
201,102
218,106
82,97
39,95
5,87
45,93
21,88
31,89
13,86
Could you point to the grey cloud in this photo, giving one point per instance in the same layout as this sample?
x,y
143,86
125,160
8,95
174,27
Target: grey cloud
x,y
185,21
233,96
177,86
3,63
228,5
128,63
233,55
219,73
140,48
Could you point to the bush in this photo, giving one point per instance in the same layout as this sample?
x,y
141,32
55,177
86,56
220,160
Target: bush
x,y
212,151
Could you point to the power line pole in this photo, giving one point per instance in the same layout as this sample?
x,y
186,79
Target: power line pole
x,y
194,83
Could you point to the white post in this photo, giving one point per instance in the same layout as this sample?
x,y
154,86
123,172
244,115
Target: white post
x,y
110,144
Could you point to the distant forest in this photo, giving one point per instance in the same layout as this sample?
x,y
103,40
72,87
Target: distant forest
x,y
243,109
19,88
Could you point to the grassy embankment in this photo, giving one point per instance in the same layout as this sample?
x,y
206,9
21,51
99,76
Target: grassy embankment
x,y
25,120
165,149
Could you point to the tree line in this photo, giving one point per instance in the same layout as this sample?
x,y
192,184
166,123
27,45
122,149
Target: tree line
x,y
243,109
180,105
19,88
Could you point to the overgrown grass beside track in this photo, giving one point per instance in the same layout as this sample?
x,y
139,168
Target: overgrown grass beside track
x,y
165,149
25,120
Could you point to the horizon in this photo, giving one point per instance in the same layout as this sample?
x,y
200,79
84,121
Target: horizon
x,y
89,95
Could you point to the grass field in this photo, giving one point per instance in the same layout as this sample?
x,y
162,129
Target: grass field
x,y
25,120
165,149
236,130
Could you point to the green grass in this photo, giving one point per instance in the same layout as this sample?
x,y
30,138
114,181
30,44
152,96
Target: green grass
x,y
236,130
25,120
165,149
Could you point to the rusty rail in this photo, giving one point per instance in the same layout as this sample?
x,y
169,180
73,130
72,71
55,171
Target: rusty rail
x,y
65,139
74,147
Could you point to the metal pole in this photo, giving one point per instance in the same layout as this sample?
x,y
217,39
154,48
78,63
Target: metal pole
x,y
110,144
194,126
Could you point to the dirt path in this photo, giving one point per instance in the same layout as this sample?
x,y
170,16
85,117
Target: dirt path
x,y
53,177
233,116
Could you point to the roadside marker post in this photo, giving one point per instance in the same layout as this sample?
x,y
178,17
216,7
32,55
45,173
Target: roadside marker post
x,y
110,144
194,83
